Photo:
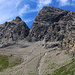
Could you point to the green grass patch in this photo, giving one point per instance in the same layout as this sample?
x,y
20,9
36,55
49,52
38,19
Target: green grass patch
x,y
3,62
68,69
9,61
52,66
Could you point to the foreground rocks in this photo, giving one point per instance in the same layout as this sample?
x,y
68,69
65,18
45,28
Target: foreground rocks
x,y
68,43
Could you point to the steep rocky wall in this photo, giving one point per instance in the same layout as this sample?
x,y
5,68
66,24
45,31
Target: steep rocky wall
x,y
52,23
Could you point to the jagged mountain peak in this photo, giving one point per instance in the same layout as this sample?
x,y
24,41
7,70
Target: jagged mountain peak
x,y
51,9
52,23
18,18
13,31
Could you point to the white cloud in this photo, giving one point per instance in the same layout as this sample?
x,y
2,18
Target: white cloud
x,y
41,3
63,2
29,20
8,10
24,9
66,2
18,2
73,0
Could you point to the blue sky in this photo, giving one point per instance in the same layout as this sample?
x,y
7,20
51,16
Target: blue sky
x,y
28,9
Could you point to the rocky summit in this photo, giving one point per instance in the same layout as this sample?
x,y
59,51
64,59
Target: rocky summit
x,y
13,31
52,24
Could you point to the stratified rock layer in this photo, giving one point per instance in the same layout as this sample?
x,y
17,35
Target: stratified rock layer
x,y
13,31
52,24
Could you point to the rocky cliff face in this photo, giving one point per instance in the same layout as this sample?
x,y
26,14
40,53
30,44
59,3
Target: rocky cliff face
x,y
13,31
52,24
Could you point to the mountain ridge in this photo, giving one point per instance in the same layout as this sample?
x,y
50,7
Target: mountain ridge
x,y
51,24
48,48
13,30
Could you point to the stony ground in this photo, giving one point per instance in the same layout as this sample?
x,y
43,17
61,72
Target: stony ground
x,y
37,59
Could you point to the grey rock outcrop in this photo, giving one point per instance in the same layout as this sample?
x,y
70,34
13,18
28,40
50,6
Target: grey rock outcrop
x,y
13,31
52,24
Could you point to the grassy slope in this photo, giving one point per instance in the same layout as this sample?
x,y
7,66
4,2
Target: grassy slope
x,y
6,61
68,69
3,62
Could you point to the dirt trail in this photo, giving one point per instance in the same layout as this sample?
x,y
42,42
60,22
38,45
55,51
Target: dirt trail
x,y
39,63
42,58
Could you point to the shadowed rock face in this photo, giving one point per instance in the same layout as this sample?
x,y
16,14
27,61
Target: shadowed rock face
x,y
13,31
52,24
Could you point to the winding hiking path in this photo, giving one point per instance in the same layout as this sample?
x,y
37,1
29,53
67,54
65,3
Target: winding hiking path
x,y
39,63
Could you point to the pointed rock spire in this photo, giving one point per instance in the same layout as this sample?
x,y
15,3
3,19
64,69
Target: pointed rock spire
x,y
18,18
